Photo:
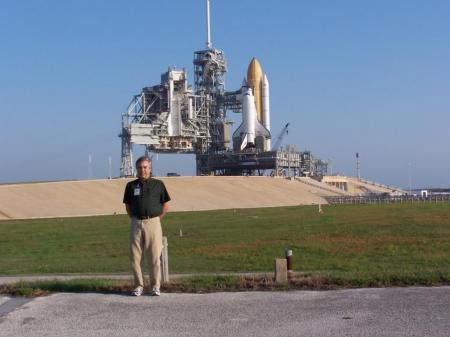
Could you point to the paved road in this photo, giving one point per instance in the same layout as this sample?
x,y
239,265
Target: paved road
x,y
362,312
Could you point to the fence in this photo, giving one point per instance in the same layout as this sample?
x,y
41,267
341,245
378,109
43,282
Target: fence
x,y
380,199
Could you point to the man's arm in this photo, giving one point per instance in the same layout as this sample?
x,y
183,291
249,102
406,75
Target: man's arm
x,y
128,208
165,209
127,199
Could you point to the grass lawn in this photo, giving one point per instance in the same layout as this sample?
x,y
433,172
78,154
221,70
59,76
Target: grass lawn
x,y
364,241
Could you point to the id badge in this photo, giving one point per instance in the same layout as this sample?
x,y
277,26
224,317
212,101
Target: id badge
x,y
137,191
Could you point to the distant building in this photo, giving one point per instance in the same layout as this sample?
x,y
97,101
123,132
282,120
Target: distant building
x,y
429,192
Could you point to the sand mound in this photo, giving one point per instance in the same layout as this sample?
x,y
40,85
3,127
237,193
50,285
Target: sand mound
x,y
96,197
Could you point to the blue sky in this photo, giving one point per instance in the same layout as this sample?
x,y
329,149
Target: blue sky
x,y
350,76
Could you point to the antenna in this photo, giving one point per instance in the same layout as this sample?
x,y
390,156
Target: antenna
x,y
208,27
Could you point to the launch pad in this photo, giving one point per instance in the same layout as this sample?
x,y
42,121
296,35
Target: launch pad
x,y
174,117
280,163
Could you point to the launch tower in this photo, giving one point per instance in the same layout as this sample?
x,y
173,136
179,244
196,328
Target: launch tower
x,y
173,117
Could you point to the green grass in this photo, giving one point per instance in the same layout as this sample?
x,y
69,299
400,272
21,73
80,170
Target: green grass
x,y
353,244
37,288
210,283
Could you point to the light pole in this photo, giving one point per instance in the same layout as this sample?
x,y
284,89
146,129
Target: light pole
x,y
90,167
410,178
109,167
358,168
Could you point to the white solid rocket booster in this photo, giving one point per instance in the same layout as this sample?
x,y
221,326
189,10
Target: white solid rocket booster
x,y
266,108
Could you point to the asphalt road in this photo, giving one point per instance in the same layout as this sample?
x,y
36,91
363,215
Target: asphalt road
x,y
363,312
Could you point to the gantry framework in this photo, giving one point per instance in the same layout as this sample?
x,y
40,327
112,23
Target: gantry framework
x,y
173,118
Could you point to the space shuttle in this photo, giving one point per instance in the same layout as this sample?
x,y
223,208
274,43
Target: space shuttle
x,y
254,131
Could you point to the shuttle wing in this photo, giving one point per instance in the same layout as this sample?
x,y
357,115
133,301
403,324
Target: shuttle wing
x,y
260,130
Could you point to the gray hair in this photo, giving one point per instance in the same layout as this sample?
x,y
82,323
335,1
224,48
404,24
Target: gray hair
x,y
143,158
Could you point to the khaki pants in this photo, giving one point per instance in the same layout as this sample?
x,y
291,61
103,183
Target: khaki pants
x,y
146,237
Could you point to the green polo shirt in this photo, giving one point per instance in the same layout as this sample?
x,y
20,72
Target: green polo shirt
x,y
146,198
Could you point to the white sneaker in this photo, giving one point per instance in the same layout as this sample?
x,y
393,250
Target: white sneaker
x,y
155,292
137,291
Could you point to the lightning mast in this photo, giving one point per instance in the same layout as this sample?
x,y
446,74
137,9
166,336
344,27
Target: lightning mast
x,y
208,26
210,67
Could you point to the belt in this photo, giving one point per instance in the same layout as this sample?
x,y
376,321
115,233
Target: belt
x,y
145,217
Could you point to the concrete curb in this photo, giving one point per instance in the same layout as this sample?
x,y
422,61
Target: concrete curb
x,y
66,277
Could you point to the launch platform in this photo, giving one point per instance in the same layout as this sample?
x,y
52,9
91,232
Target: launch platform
x,y
278,163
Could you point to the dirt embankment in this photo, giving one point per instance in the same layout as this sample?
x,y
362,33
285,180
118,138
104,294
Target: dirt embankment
x,y
96,197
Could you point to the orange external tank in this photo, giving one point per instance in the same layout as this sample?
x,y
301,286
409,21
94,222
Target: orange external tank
x,y
254,81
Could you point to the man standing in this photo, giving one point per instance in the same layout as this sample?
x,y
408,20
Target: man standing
x,y
146,200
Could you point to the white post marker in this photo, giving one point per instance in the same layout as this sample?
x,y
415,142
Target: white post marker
x,y
281,271
165,261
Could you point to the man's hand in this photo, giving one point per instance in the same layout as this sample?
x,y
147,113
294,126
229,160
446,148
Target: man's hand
x,y
165,209
128,208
